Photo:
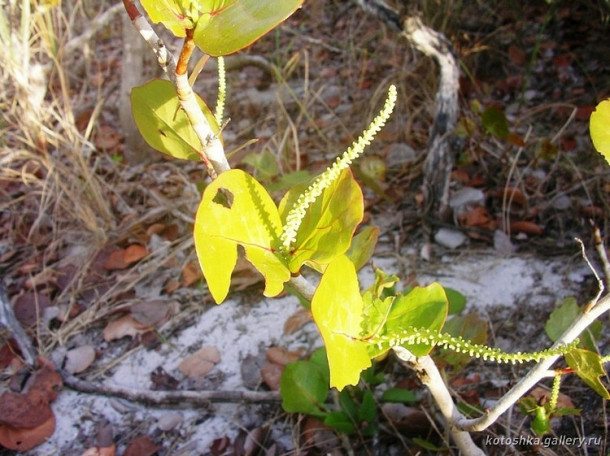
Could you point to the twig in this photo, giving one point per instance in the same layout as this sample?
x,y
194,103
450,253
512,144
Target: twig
x,y
538,372
101,21
601,251
600,283
188,398
12,325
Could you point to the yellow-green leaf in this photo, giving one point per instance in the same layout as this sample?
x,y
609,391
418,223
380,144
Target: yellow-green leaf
x,y
600,129
163,123
329,223
173,14
363,246
249,219
337,310
421,307
588,367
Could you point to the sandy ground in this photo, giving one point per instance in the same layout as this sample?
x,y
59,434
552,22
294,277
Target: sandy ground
x,y
238,330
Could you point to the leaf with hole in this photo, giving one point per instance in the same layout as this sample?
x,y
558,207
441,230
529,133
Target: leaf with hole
x,y
163,123
247,217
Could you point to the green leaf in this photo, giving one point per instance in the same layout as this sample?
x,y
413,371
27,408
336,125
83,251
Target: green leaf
x,y
470,327
368,408
303,388
251,221
561,318
238,23
541,423
429,445
320,359
384,285
588,367
348,406
337,310
495,122
329,224
340,422
599,125
163,123
398,395
363,246
422,307
457,301
290,180
264,163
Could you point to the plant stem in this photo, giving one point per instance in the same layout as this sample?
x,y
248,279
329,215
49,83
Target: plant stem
x,y
430,376
212,149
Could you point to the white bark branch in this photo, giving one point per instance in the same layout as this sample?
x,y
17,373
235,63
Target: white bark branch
x,y
430,376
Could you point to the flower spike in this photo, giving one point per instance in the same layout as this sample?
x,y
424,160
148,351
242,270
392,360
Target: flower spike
x,y
297,213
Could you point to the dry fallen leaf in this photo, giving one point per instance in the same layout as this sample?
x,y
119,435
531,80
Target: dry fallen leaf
x,y
191,274
20,411
23,439
563,401
141,446
150,313
79,359
526,227
124,326
271,374
30,306
103,451
281,356
297,320
134,253
116,261
200,363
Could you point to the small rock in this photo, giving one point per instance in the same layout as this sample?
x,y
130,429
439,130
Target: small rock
x,y
169,421
465,198
562,203
449,238
399,154
502,243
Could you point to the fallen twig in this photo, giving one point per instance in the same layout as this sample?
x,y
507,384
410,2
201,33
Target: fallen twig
x,y
184,398
12,325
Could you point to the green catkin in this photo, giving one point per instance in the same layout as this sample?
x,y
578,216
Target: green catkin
x,y
412,336
297,213
222,92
